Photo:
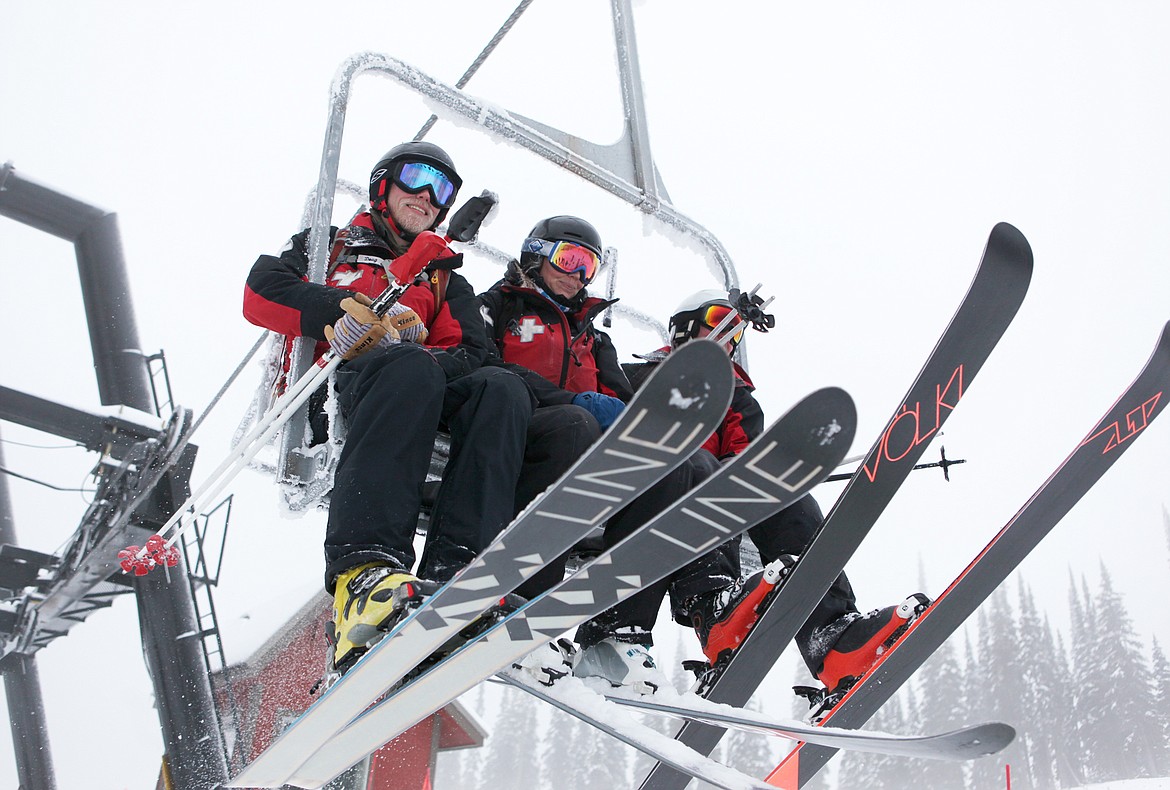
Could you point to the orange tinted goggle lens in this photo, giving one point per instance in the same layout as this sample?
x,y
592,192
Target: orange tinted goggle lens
x,y
714,316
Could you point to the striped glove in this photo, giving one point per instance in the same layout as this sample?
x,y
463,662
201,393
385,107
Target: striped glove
x,y
360,329
407,323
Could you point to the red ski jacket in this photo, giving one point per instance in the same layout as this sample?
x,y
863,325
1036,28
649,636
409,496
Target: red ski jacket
x,y
558,353
743,422
278,295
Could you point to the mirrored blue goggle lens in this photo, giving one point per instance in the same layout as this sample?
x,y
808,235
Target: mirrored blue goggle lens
x,y
416,176
574,259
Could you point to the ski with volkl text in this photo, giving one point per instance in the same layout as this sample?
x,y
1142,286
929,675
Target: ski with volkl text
x,y
1127,419
667,420
987,309
793,455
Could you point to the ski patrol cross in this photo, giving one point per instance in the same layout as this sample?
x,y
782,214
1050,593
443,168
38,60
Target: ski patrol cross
x,y
529,329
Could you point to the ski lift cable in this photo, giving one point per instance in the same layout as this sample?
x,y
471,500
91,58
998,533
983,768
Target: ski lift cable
x,y
5,470
479,60
230,380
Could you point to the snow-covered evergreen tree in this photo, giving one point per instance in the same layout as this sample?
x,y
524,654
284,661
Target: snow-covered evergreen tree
x,y
1086,676
1160,705
563,764
995,687
606,761
755,754
941,707
876,771
1043,698
511,754
1070,757
1126,737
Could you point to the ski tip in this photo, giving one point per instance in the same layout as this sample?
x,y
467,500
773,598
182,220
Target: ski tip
x,y
702,348
986,739
1008,239
833,413
836,398
705,375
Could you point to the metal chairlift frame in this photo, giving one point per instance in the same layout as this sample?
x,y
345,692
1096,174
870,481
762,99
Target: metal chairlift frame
x,y
625,169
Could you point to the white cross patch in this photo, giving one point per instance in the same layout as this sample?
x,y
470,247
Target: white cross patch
x,y
529,329
345,278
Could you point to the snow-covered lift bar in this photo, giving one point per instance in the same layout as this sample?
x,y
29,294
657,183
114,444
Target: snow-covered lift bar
x,y
625,169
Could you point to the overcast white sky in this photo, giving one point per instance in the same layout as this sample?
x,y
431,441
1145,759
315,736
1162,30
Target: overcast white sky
x,y
851,157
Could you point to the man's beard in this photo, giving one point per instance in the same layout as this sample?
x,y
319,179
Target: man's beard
x,y
412,224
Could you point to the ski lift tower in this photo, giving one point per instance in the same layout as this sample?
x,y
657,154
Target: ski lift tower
x,y
145,465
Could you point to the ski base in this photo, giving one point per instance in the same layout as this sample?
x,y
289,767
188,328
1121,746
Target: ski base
x,y
793,455
668,418
965,743
1128,418
571,695
987,309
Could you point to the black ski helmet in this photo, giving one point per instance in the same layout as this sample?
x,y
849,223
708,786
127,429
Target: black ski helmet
x,y
687,318
414,151
560,228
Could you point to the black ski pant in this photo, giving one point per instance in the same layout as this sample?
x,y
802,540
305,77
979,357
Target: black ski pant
x,y
788,532
557,437
394,400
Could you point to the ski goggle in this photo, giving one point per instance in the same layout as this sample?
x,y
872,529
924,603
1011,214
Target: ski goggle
x,y
414,177
567,257
711,315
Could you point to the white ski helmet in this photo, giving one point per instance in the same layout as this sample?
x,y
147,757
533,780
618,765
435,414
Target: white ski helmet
x,y
693,313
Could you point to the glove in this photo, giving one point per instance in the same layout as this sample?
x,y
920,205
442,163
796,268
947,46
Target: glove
x,y
360,329
605,408
465,222
407,324
426,246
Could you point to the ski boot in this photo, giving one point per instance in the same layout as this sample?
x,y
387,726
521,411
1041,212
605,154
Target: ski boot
x,y
623,662
367,601
856,643
722,620
549,662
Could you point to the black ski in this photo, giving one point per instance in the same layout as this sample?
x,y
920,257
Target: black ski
x,y
1090,459
989,306
792,456
668,418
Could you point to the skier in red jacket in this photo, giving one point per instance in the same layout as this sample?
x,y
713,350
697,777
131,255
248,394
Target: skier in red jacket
x,y
838,643
405,376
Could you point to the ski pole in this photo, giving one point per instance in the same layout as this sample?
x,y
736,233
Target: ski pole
x,y
943,463
741,306
159,549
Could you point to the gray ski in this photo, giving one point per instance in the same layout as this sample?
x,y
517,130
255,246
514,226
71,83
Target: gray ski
x,y
667,420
